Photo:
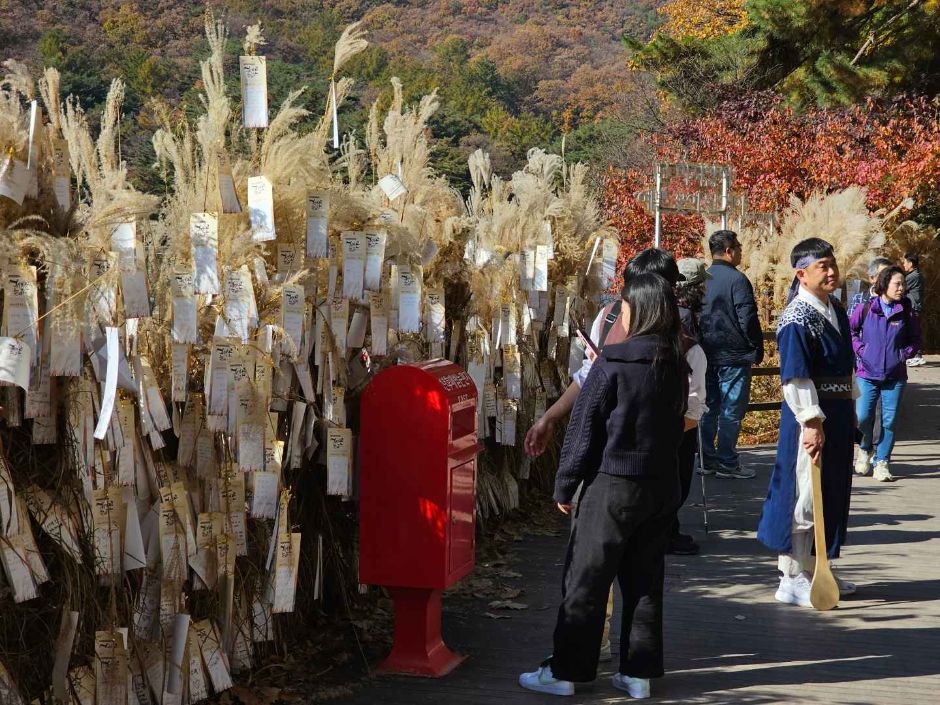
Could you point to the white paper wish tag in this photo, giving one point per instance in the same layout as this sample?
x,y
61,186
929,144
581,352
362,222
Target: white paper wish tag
x,y
185,328
318,207
338,461
14,179
354,260
204,237
227,193
392,187
61,173
409,299
292,317
375,258
14,362
378,321
254,77
261,208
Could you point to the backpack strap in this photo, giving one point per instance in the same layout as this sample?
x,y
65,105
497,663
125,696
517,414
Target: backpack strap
x,y
861,321
612,315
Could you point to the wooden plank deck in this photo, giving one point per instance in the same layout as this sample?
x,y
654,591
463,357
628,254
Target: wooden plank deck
x,y
727,640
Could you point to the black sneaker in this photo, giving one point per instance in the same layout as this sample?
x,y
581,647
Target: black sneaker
x,y
682,545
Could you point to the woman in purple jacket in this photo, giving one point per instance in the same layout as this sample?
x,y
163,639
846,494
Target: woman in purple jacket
x,y
885,334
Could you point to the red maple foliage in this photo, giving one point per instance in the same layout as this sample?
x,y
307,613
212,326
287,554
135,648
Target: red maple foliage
x,y
890,147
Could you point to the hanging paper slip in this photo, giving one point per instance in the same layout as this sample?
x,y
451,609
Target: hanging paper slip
x,y
261,208
338,461
61,173
507,324
512,372
339,321
409,299
14,179
285,576
184,307
237,294
110,383
354,256
204,238
292,317
434,300
317,224
610,252
540,268
375,258
378,320
254,77
230,202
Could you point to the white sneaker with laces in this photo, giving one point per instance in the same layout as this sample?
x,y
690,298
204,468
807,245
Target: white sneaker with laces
x,y
542,681
605,655
794,591
862,462
638,688
882,473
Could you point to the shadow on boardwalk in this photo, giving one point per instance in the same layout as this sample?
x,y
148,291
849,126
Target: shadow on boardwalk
x,y
727,640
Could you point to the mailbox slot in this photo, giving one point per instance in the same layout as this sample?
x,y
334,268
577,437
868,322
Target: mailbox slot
x,y
463,420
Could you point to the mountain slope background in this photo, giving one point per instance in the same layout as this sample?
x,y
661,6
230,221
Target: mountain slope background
x,y
512,74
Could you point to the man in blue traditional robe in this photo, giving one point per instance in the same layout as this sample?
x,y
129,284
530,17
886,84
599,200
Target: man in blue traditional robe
x,y
817,423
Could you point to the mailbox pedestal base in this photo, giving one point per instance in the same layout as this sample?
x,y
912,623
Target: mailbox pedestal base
x,y
417,648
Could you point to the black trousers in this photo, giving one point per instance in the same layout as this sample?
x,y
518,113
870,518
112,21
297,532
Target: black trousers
x,y
687,452
621,531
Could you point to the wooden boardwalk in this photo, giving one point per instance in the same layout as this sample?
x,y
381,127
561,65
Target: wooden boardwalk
x,y
727,640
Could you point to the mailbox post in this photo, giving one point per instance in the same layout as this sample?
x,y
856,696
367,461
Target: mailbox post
x,y
418,450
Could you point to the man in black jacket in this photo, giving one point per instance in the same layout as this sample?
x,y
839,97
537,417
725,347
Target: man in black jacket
x,y
731,337
914,284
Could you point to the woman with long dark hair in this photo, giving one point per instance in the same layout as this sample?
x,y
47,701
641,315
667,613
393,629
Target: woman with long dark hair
x,y
621,443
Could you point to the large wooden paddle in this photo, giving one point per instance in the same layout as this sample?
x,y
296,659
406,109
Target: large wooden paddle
x,y
824,594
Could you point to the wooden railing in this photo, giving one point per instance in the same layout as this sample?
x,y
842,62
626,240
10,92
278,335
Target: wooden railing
x,y
765,372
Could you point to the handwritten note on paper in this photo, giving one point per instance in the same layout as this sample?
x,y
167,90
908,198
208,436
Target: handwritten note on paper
x,y
210,646
264,498
204,239
62,173
236,292
254,77
285,577
378,321
409,300
339,321
540,269
375,259
14,363
292,317
261,208
434,301
318,207
354,260
338,461
185,328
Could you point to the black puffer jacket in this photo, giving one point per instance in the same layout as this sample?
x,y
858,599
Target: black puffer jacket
x,y
729,328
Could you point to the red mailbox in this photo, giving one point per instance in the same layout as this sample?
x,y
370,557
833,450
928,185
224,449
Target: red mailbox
x,y
418,449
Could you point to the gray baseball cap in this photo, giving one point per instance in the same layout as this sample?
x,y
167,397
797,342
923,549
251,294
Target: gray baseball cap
x,y
692,270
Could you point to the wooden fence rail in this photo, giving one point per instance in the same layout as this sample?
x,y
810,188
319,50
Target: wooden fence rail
x,y
769,335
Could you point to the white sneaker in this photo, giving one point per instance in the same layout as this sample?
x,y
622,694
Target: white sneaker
x,y
882,474
794,591
605,656
862,462
542,681
637,687
845,587
919,360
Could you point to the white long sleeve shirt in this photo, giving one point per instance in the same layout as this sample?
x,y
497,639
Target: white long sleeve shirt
x,y
695,357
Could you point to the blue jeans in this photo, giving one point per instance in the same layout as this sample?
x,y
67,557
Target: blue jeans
x,y
727,391
889,391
